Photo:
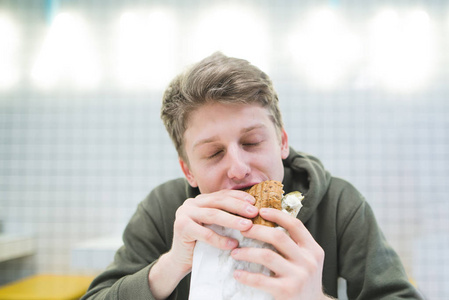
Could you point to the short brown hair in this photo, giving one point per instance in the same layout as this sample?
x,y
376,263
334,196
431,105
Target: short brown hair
x,y
215,78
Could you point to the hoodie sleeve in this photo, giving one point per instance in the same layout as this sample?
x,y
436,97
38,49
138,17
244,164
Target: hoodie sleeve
x,y
343,223
147,236
370,266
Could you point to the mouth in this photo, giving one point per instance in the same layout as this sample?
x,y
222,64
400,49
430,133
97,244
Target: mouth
x,y
244,187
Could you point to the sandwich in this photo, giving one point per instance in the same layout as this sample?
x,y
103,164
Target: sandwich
x,y
270,194
213,268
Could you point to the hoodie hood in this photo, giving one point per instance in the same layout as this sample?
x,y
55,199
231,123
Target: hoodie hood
x,y
306,174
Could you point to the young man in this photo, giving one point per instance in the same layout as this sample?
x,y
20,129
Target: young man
x,y
224,119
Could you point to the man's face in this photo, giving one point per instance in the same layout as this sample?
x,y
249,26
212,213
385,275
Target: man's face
x,y
232,146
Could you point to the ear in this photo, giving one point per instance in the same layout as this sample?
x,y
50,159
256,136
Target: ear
x,y
188,173
285,150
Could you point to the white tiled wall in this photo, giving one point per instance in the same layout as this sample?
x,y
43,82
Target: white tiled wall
x,y
74,164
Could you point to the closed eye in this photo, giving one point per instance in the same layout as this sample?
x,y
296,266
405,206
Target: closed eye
x,y
215,154
252,144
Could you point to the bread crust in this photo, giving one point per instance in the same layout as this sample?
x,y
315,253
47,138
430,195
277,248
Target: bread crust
x,y
267,194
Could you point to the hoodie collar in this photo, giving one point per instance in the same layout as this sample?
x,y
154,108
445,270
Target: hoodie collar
x,y
306,174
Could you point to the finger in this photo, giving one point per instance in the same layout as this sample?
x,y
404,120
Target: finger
x,y
220,217
296,229
187,231
259,281
288,279
218,198
206,215
212,238
274,236
263,256
233,201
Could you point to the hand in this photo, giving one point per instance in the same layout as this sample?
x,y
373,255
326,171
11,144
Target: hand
x,y
228,208
297,266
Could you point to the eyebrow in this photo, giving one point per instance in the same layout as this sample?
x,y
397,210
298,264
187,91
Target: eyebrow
x,y
250,128
204,141
214,138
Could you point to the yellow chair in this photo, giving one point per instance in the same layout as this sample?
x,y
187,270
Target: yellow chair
x,y
46,287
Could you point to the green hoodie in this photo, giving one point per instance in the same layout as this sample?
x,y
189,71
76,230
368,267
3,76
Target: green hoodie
x,y
334,212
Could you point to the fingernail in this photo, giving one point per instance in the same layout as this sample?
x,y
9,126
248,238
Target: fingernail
x,y
237,274
235,251
250,199
232,243
251,209
245,222
263,211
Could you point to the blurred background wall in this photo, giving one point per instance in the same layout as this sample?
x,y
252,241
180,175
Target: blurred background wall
x,y
363,85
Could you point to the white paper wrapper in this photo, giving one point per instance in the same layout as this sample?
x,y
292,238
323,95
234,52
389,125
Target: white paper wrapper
x,y
213,269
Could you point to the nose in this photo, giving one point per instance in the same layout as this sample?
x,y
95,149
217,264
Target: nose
x,y
238,167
